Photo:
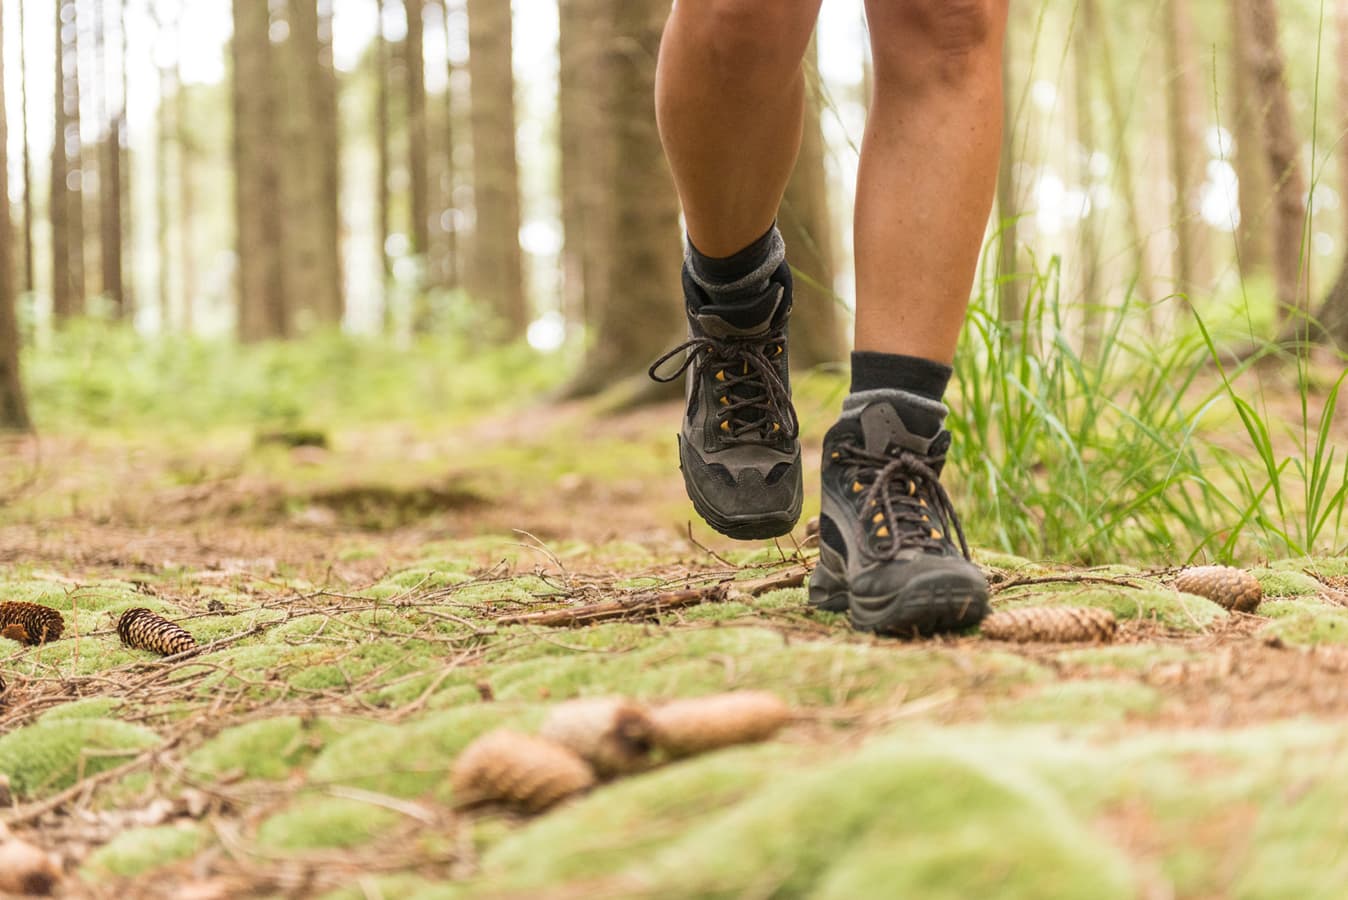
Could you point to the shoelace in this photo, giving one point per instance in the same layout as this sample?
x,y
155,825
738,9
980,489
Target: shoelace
x,y
906,493
741,362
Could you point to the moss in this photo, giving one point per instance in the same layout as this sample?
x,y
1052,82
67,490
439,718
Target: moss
x,y
267,749
1172,609
343,667
1125,658
315,822
139,850
1279,583
409,760
598,834
991,559
895,821
1318,624
49,756
1081,702
405,887
88,708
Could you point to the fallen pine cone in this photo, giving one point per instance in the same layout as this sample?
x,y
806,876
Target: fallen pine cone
x,y
26,870
612,734
686,727
1226,586
142,629
518,770
1051,624
37,623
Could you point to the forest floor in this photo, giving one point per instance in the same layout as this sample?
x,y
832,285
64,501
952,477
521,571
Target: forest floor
x,y
351,600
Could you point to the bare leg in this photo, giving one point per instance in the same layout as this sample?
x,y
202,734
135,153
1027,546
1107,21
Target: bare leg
x,y
928,170
730,102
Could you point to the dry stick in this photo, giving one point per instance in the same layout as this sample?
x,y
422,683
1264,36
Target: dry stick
x,y
648,605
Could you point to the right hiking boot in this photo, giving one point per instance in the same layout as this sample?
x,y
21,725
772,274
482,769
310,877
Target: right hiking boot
x,y
887,530
738,447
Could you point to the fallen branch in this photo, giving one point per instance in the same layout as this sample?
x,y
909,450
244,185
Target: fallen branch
x,y
649,605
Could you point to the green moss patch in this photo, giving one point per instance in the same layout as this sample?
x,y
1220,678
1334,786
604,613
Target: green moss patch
x,y
1081,702
140,850
267,749
1172,609
1306,623
1283,583
49,756
315,822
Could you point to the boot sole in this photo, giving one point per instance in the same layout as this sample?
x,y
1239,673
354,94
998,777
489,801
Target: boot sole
x,y
746,526
930,606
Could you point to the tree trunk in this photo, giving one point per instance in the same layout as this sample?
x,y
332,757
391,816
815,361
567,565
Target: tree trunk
x,y
584,159
13,410
257,173
1118,120
187,152
449,274
1010,291
1283,150
643,241
1089,229
382,161
1332,319
110,176
1186,165
63,205
330,170
1254,238
807,226
498,264
312,268
418,157
29,265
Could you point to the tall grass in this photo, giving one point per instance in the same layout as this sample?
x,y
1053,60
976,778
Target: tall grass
x,y
1140,448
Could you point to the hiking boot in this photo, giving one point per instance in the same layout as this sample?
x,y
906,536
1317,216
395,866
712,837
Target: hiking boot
x,y
886,553
738,447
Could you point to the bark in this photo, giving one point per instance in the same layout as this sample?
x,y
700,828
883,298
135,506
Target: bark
x,y
330,168
382,153
1089,229
110,177
63,204
312,268
644,258
584,160
1184,139
1254,238
257,174
1332,317
1118,120
450,276
187,152
1283,149
418,156
13,410
498,264
1010,291
807,227
164,113
29,266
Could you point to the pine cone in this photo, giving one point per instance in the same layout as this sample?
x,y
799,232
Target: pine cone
x,y
1224,585
686,727
39,623
15,632
612,734
518,770
26,870
142,629
1051,624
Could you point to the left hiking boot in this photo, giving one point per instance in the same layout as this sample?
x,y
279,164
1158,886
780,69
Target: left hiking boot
x,y
887,549
738,448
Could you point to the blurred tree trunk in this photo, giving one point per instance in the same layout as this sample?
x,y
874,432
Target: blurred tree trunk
x,y
1332,319
382,165
1118,121
449,275
582,39
110,124
1083,41
1254,239
67,239
165,112
1283,150
257,176
187,152
312,268
29,264
807,227
1184,141
418,155
633,325
330,169
13,410
498,264
1010,299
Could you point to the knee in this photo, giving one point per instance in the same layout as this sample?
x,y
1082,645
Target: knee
x,y
753,37
928,41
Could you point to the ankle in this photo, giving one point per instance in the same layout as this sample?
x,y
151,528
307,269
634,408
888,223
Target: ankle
x,y
741,278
